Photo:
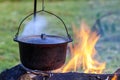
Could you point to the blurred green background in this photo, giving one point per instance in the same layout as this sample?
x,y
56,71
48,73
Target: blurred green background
x,y
29,0
72,12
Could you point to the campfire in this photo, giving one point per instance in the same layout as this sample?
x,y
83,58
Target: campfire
x,y
82,56
43,56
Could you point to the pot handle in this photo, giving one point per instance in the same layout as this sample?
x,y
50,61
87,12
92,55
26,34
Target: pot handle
x,y
16,35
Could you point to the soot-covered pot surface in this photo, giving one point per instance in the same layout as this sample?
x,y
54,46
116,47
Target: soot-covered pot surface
x,y
42,52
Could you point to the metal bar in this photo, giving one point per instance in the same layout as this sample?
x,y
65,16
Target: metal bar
x,y
35,8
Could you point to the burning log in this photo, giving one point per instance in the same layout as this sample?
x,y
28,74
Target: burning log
x,y
18,73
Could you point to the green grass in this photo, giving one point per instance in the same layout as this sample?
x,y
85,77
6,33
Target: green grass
x,y
11,13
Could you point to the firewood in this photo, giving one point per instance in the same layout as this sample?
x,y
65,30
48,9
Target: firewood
x,y
18,73
25,77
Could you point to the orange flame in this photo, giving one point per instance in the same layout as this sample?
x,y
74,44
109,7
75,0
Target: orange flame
x,y
83,51
114,77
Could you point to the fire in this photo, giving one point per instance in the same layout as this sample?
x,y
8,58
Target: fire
x,y
83,51
114,77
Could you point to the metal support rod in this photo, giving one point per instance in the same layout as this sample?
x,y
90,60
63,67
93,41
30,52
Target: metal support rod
x,y
35,8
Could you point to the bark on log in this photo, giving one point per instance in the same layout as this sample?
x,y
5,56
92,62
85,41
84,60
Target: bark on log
x,y
18,73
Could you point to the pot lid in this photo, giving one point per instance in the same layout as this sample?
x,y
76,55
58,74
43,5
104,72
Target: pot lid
x,y
42,39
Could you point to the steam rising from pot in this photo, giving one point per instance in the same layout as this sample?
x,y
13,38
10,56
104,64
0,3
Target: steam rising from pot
x,y
35,26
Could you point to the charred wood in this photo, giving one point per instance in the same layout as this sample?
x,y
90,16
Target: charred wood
x,y
18,73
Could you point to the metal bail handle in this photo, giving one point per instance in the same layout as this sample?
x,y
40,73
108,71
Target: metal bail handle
x,y
34,13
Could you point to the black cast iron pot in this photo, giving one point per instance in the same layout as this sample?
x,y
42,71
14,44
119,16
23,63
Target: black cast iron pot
x,y
42,52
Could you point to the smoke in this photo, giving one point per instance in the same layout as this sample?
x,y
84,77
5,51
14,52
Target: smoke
x,y
35,27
